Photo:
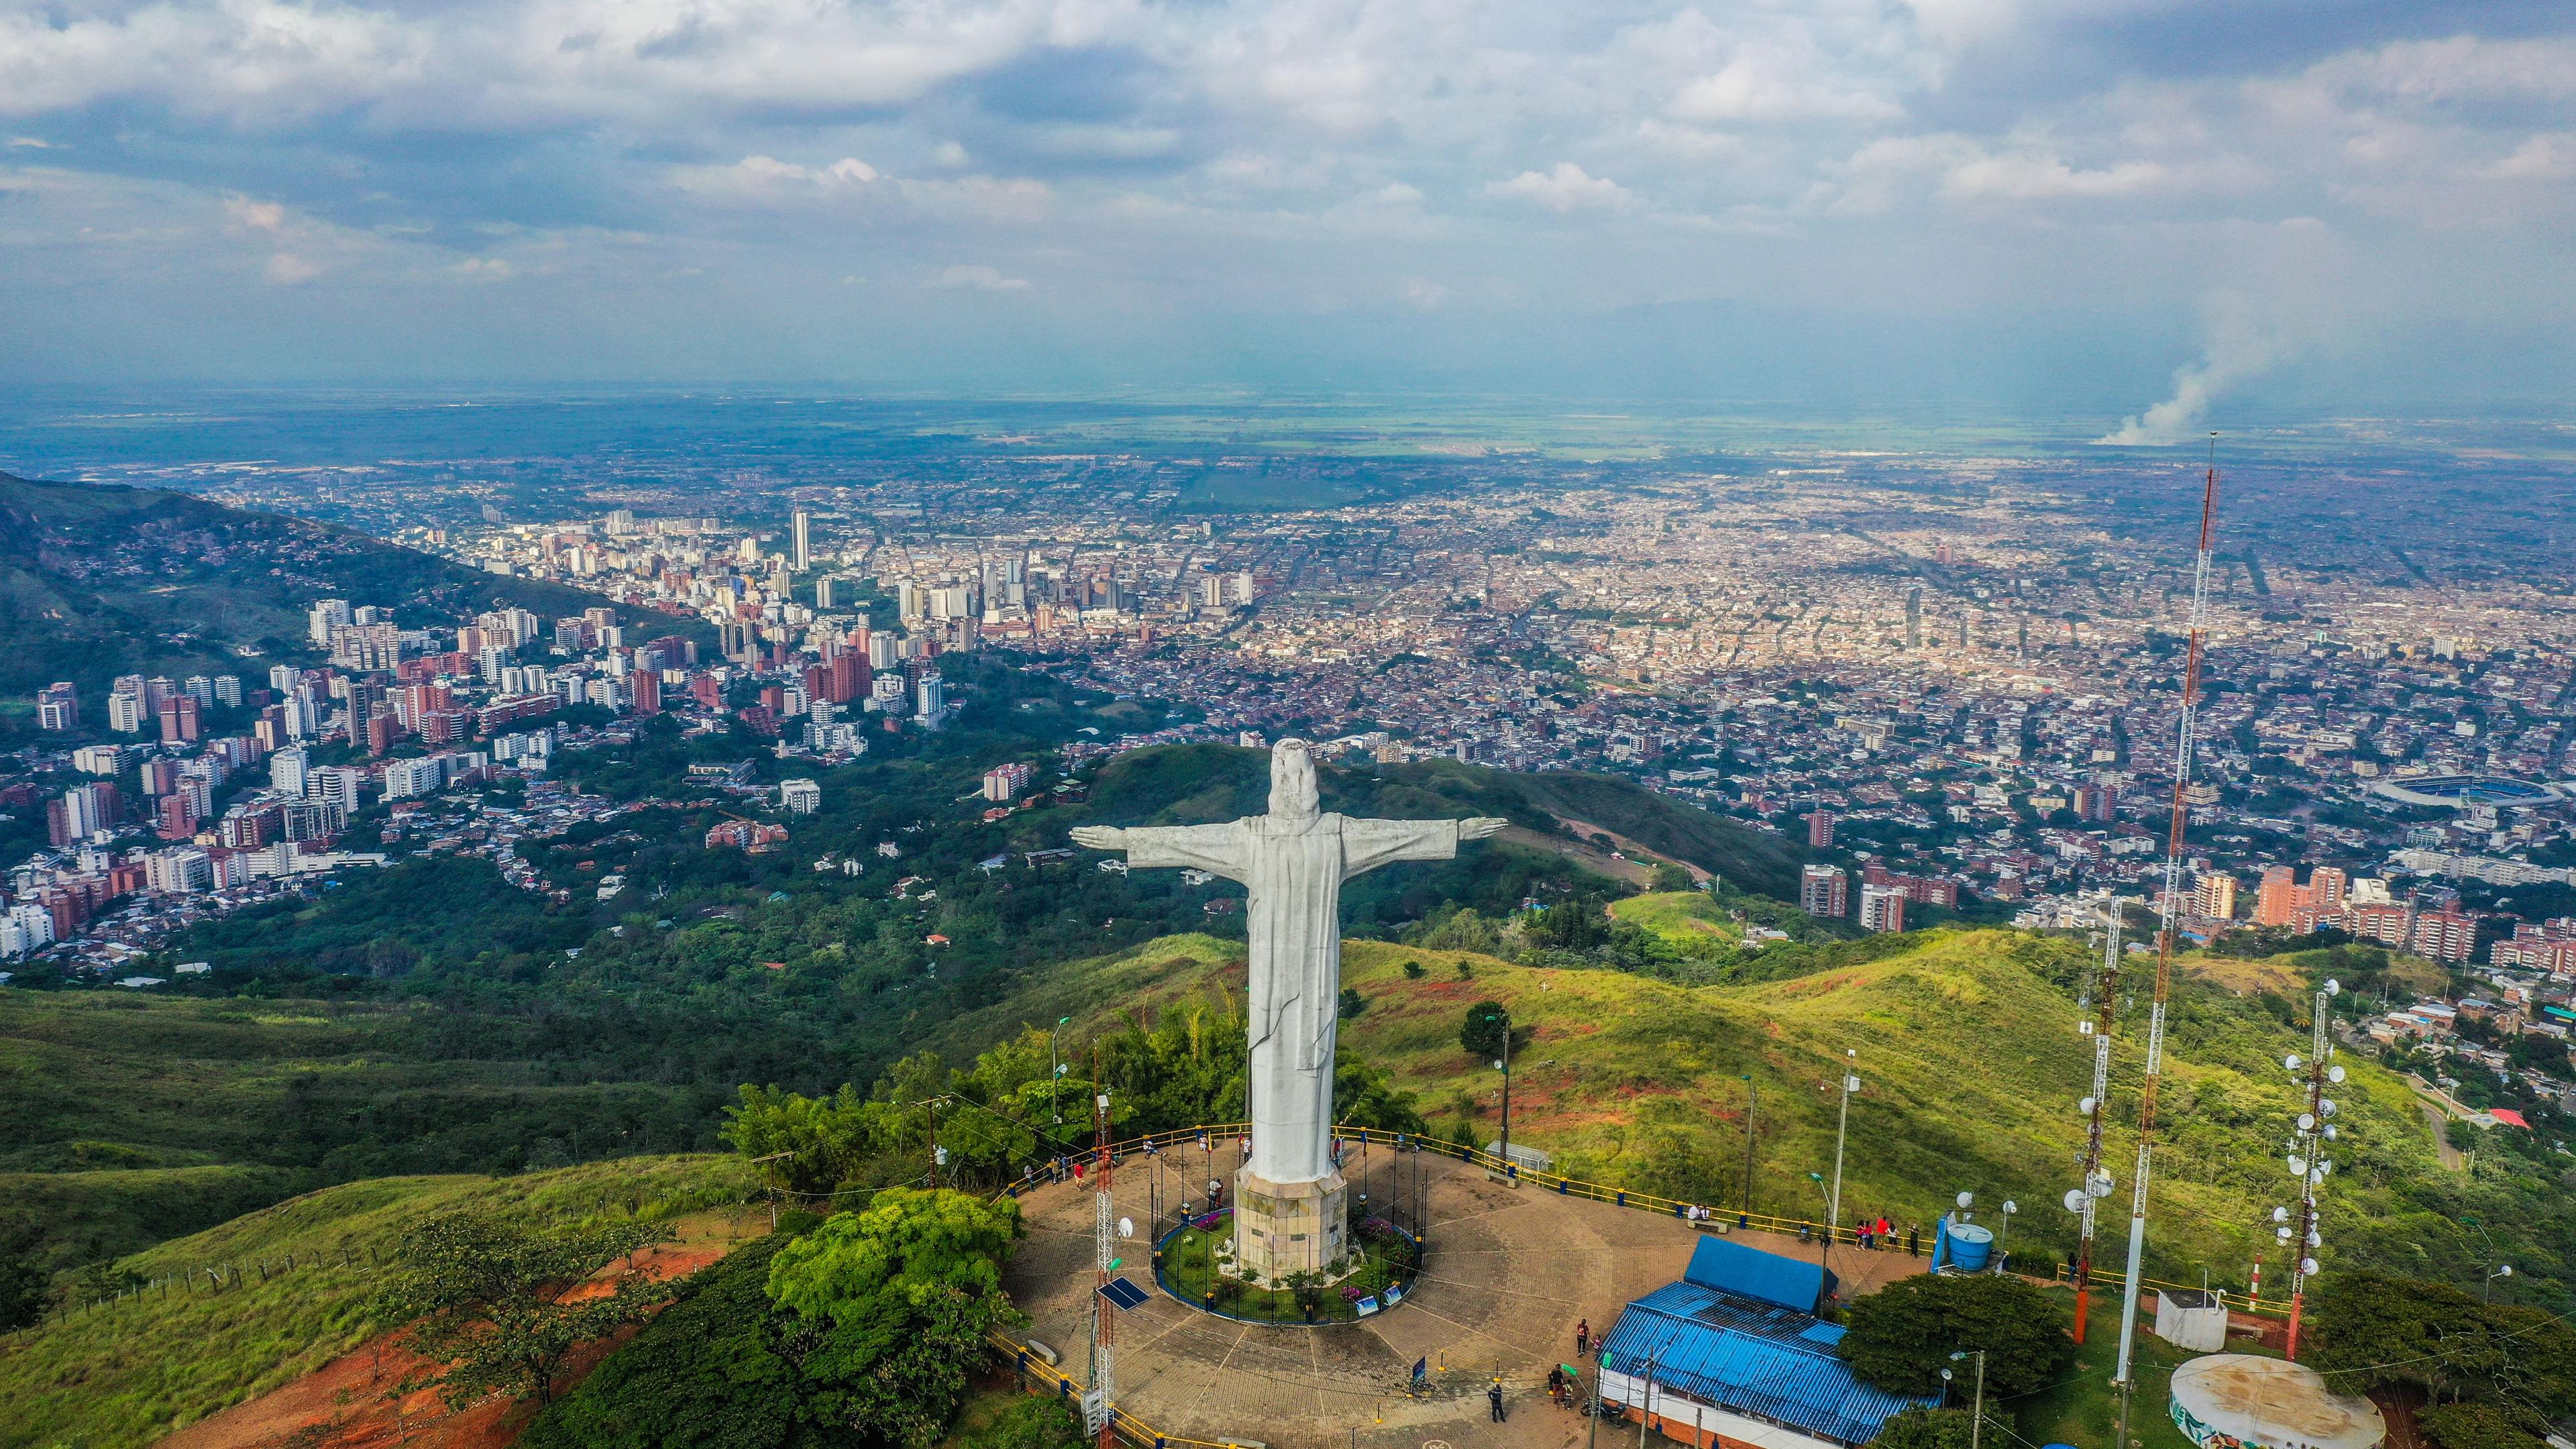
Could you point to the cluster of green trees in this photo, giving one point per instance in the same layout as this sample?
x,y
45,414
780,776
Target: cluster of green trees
x,y
857,1329
2493,1376
989,1122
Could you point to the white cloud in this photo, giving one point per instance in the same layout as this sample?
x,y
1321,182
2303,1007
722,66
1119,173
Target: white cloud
x,y
257,215
1772,86
2542,158
979,279
1567,188
286,269
1396,193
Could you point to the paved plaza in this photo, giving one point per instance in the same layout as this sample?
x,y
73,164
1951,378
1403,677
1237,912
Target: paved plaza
x,y
1509,1273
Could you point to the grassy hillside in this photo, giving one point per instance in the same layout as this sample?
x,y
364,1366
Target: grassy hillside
x,y
125,1120
1191,784
1972,1066
130,1370
99,580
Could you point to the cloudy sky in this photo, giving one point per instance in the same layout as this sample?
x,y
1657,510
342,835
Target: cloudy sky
x,y
2032,202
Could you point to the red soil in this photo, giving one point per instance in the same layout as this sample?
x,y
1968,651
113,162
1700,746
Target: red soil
x,y
351,1403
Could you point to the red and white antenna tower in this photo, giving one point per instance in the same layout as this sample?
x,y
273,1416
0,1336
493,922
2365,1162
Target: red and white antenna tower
x,y
2168,909
1098,1412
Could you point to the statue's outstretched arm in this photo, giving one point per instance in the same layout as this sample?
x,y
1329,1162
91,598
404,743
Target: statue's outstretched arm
x,y
1368,844
1217,849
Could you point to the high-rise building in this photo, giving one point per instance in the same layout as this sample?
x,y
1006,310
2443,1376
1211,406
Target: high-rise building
x,y
645,685
125,713
325,616
228,690
2213,896
1823,891
2445,935
1914,617
2328,887
1005,782
179,720
1820,830
289,771
930,702
825,592
2277,896
1882,908
57,708
803,524
800,796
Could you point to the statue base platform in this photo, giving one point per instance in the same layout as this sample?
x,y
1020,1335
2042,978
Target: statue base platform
x,y
1282,1228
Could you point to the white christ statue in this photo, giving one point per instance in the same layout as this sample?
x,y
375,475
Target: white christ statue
x,y
1289,1209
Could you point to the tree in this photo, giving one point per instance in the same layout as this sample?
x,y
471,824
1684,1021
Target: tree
x,y
2477,1426
1352,1003
495,1302
24,1293
2368,1331
1481,1033
903,1295
1921,1428
1901,1337
825,1138
718,1369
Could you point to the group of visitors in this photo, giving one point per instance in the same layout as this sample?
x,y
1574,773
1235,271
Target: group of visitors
x,y
1878,1235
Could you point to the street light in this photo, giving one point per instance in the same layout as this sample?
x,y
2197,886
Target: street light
x,y
2503,1270
1752,1124
1055,1069
2010,1207
1976,1416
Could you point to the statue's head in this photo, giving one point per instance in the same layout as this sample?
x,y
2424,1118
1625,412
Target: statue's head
x,y
1292,781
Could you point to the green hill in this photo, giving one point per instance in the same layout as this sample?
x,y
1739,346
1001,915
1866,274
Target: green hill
x,y
1971,1066
100,580
1192,784
125,1120
295,1285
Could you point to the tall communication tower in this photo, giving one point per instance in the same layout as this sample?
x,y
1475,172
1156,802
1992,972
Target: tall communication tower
x,y
2085,1198
2311,1131
2168,909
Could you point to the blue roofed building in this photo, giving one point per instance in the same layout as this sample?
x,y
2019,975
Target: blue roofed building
x,y
1734,1355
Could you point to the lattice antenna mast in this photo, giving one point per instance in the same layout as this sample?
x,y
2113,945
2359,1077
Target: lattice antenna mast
x,y
2168,910
2085,1199
2311,1131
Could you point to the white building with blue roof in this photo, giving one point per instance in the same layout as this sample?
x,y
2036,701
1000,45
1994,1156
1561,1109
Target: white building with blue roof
x,y
1734,1355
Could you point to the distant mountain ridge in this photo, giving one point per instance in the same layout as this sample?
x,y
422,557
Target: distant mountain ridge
x,y
98,580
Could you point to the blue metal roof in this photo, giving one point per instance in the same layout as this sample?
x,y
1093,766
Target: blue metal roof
x,y
1790,1282
1749,1358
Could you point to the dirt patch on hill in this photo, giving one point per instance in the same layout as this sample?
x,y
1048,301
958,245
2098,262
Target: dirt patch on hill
x,y
355,1401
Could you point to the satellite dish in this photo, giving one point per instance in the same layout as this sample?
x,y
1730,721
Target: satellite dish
x,y
2330,1132
2075,1199
2327,1106
1966,1198
1126,1227
2334,1074
2315,1240
2291,1061
2282,1233
2084,1106
2280,1215
2010,1206
2100,1185
2333,987
2298,1164
2308,1265
2307,1122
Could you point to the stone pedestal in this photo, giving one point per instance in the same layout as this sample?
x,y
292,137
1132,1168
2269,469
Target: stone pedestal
x,y
1291,1227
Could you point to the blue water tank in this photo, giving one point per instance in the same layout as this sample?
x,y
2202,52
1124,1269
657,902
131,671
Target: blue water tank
x,y
1970,1247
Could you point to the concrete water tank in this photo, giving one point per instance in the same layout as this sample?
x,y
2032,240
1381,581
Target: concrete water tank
x,y
2192,1318
2224,1400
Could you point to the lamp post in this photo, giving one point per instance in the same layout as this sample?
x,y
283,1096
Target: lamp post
x,y
1055,1069
1977,1415
2010,1207
1752,1125
2503,1270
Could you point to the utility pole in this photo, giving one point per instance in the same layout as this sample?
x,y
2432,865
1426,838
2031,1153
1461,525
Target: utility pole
x,y
772,1179
1055,1071
1099,1404
1977,1416
2186,729
1834,1199
1646,1394
1752,1125
1506,1065
935,1158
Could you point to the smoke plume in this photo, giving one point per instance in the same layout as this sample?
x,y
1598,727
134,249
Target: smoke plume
x,y
2235,352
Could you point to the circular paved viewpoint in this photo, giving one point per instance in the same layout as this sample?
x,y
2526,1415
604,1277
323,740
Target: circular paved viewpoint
x,y
1509,1273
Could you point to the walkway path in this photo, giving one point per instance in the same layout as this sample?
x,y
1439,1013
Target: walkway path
x,y
1509,1273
